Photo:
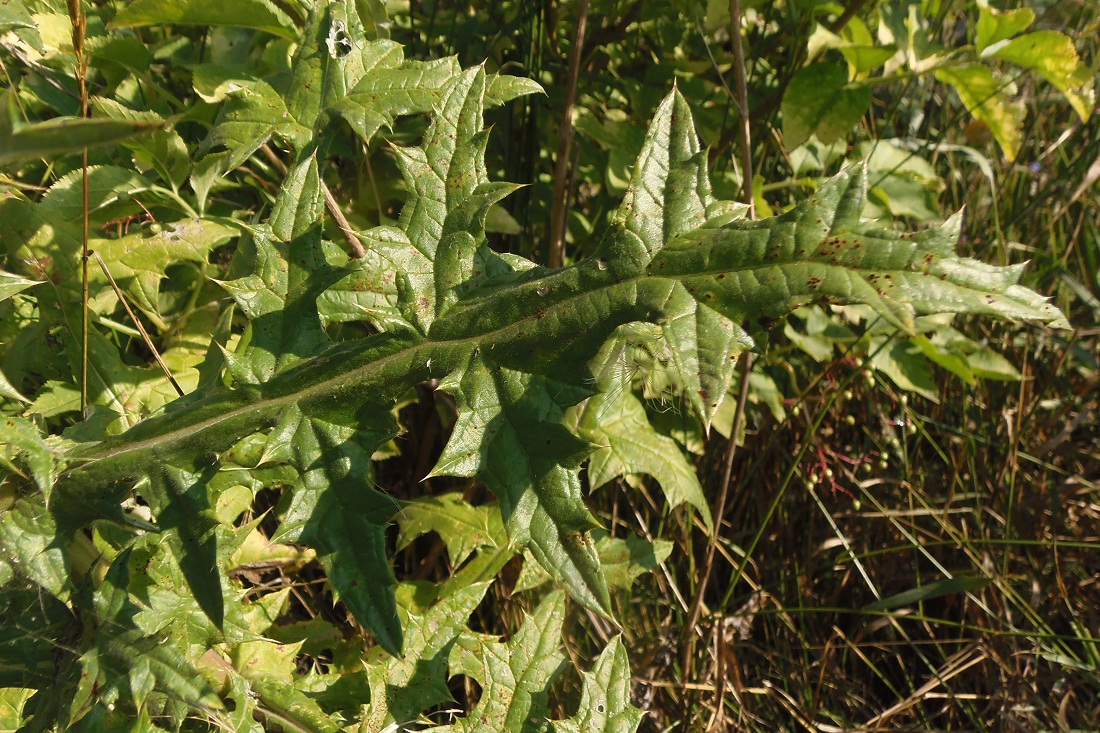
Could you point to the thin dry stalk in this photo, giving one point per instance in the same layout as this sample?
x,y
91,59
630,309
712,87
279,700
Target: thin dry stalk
x,y
137,322
556,255
333,206
78,20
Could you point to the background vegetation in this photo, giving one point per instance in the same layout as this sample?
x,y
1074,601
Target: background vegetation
x,y
908,538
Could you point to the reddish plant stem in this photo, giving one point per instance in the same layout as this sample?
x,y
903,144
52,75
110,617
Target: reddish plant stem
x,y
560,212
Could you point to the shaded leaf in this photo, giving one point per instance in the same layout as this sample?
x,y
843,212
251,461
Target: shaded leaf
x,y
929,591
820,101
259,14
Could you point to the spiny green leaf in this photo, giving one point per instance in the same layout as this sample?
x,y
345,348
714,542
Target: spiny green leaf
x,y
444,217
628,445
463,527
404,687
121,658
338,512
623,561
515,676
509,434
670,189
391,86
182,509
605,698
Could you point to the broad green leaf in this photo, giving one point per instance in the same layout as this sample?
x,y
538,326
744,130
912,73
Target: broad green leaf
x,y
391,86
25,452
255,112
404,687
514,677
989,100
988,364
863,58
820,101
463,527
906,366
628,445
108,187
509,434
503,89
262,658
9,392
162,150
995,25
624,561
903,183
373,17
14,15
28,537
955,363
262,15
605,697
1052,55
138,261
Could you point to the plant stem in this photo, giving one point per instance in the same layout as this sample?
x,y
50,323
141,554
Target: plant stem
x,y
141,329
560,212
331,204
78,21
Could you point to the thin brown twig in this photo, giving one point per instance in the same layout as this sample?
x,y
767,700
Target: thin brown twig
x,y
742,102
333,206
78,21
141,329
556,255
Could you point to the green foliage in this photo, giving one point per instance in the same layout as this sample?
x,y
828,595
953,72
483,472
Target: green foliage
x,y
827,98
134,539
